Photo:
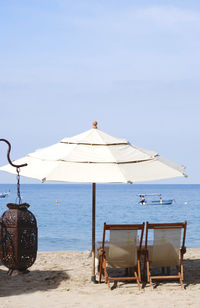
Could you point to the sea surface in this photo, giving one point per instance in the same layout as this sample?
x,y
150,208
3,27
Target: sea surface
x,y
64,211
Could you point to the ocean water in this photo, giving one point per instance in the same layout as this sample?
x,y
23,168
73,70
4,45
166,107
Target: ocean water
x,y
64,211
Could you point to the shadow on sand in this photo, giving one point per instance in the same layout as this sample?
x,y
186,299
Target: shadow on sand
x,y
31,282
191,270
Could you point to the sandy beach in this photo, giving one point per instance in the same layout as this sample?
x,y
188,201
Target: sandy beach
x,y
62,279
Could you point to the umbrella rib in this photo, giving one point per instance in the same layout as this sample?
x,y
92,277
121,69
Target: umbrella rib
x,y
98,144
114,163
97,162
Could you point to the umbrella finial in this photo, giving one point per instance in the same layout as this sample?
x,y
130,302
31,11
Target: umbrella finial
x,y
94,124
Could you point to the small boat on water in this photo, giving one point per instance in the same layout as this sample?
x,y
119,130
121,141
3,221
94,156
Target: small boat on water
x,y
145,200
5,194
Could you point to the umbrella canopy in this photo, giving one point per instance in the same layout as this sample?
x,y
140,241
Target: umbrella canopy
x,y
96,157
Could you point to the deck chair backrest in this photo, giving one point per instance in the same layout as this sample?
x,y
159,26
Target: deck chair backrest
x,y
123,246
165,251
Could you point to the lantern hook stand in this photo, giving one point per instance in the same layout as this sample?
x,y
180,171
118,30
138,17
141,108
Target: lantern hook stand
x,y
17,168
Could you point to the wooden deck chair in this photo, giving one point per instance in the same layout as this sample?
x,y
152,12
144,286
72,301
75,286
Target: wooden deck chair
x,y
167,250
123,251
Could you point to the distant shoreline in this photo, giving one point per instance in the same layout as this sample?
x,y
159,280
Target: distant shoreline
x,y
103,184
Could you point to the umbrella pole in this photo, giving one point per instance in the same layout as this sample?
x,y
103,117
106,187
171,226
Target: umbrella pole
x,y
93,277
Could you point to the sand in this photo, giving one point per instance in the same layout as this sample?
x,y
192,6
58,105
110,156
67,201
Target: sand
x,y
62,279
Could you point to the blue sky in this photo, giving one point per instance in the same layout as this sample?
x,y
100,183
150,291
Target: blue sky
x,y
133,66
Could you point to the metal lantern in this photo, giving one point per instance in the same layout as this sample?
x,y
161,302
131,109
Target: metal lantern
x,y
18,232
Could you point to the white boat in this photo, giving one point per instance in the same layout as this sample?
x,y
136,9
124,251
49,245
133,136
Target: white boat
x,y
145,200
5,194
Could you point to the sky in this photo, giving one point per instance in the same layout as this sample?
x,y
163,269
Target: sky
x,y
133,66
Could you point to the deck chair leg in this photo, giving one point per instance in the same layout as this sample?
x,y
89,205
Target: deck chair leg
x,y
151,284
105,272
181,274
181,283
100,269
181,280
106,278
144,268
181,270
149,280
139,272
137,279
148,272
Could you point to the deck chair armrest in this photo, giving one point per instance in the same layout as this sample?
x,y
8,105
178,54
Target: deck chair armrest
x,y
183,250
101,252
141,252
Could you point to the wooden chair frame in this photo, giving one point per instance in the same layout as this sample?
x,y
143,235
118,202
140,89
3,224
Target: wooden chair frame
x,y
102,253
165,226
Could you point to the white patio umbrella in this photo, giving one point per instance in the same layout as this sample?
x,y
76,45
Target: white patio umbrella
x,y
96,157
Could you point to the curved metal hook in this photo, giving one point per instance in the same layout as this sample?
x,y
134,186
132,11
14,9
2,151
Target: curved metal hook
x,y
8,155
